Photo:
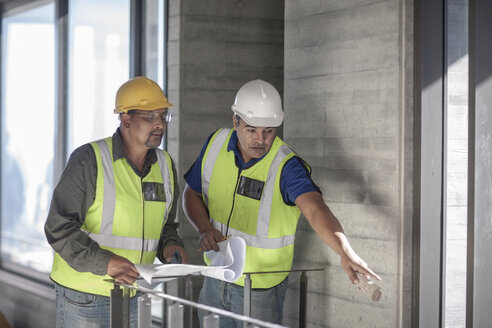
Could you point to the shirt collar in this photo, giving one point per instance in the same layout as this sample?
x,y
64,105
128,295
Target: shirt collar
x,y
118,149
119,152
232,146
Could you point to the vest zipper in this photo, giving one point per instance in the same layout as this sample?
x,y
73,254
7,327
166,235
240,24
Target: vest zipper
x,y
233,201
143,221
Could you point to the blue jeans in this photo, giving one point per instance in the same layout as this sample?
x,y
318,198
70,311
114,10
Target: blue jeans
x,y
266,304
76,309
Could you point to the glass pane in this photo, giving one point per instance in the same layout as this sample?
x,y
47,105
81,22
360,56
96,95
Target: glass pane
x,y
27,149
99,64
154,46
457,165
154,41
154,69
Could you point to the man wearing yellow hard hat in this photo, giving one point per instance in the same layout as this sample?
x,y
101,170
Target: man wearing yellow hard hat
x,y
114,206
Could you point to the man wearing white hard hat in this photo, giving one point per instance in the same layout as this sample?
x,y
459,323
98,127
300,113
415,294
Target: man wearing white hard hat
x,y
247,182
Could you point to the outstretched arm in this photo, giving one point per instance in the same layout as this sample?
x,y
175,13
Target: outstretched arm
x,y
329,229
196,212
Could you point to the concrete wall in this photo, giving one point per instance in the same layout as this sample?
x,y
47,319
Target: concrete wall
x,y
214,47
345,68
348,79
348,105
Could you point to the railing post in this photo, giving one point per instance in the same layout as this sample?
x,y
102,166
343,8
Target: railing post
x,y
116,307
175,316
144,311
302,299
165,304
247,297
126,307
211,321
120,307
189,296
169,287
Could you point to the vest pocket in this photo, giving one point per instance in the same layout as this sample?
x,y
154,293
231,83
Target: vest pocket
x,y
154,191
251,188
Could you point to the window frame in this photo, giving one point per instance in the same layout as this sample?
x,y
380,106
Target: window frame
x,y
10,272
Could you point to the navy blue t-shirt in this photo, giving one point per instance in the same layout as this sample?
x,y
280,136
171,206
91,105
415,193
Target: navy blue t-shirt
x,y
294,181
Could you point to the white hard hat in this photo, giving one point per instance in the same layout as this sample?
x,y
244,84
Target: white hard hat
x,y
258,103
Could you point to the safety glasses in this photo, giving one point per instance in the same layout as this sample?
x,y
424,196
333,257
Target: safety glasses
x,y
153,117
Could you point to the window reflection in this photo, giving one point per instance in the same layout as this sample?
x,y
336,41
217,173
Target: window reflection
x,y
27,135
99,64
98,53
154,69
154,41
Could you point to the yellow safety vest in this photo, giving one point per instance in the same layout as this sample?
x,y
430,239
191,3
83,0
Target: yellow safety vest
x,y
126,217
249,204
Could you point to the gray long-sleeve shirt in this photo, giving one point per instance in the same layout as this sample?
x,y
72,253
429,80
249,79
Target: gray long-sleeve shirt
x,y
73,196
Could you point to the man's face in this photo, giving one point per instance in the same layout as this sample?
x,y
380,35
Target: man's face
x,y
148,127
253,142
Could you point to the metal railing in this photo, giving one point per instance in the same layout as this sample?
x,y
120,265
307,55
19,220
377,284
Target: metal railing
x,y
302,292
120,306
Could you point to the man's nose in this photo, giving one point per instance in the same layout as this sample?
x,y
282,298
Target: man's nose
x,y
259,137
160,123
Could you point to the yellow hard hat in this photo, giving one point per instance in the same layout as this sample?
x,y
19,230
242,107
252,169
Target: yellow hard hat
x,y
140,93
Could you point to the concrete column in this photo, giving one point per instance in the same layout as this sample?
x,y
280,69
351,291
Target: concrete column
x,y
214,47
349,113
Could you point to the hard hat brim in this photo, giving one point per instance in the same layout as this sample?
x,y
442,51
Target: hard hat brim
x,y
262,121
149,107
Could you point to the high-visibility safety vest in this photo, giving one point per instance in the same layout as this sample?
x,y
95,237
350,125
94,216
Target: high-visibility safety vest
x,y
248,203
127,215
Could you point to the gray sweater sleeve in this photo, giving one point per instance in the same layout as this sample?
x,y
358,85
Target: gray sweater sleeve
x,y
169,233
72,197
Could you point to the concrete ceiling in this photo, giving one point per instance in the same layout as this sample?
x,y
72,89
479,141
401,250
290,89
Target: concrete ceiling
x,y
11,4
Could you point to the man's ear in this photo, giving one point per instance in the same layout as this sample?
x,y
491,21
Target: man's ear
x,y
236,121
125,120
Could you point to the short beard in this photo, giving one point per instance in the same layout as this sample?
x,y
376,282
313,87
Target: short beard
x,y
149,144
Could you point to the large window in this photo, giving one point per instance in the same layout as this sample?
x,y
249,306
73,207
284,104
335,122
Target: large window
x,y
457,165
27,125
98,62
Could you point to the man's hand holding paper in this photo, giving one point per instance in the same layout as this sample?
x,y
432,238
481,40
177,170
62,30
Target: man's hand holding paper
x,y
227,264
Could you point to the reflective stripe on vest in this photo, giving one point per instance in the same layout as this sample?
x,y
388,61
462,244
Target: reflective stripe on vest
x,y
105,237
208,167
256,241
261,239
166,180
